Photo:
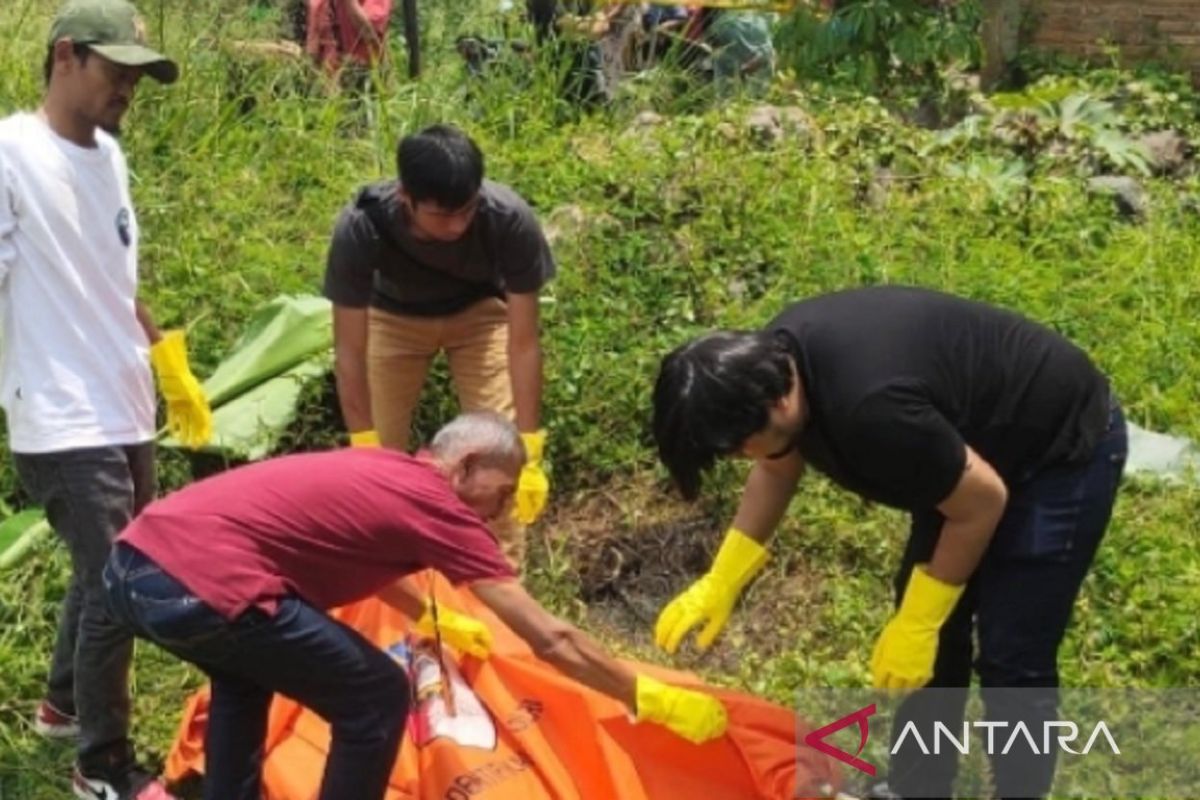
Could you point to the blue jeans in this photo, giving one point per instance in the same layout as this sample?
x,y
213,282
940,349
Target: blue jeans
x,y
299,651
90,494
1019,603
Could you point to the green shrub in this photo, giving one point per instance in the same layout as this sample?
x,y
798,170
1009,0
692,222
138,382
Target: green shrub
x,y
239,170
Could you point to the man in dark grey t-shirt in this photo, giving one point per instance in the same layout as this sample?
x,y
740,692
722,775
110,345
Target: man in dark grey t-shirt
x,y
998,435
440,261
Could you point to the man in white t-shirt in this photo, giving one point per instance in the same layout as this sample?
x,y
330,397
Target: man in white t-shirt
x,y
75,354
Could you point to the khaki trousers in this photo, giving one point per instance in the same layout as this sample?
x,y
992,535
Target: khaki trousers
x,y
400,350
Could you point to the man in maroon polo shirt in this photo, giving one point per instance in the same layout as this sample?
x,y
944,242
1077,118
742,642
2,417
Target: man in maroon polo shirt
x,y
234,574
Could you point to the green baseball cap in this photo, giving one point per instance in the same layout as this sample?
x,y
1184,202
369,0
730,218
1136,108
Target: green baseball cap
x,y
114,30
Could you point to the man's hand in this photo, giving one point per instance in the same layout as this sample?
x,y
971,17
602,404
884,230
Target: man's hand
x,y
904,655
695,716
464,633
711,598
189,419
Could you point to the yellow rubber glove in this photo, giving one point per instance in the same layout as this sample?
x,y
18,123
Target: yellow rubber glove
x,y
463,633
533,487
711,598
904,655
367,438
189,419
695,716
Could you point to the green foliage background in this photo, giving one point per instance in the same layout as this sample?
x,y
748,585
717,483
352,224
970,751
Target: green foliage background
x,y
239,170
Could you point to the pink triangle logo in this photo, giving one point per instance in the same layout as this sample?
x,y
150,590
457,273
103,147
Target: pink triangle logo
x,y
816,739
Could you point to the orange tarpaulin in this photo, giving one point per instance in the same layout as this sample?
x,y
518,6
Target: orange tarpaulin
x,y
545,736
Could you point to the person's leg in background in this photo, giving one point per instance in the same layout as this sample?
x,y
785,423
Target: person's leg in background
x,y
90,495
911,772
476,345
57,717
1028,583
399,352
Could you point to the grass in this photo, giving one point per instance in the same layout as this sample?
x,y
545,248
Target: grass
x,y
672,229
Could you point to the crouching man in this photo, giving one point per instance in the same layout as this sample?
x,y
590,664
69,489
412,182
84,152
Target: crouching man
x,y
234,574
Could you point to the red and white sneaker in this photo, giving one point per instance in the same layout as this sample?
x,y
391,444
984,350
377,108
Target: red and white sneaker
x,y
134,783
54,723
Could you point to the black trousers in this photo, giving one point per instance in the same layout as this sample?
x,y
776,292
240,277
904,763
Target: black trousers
x,y
1016,607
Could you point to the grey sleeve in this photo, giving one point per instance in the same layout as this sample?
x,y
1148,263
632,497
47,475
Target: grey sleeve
x,y
526,263
349,266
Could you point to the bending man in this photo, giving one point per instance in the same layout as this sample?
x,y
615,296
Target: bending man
x,y
1000,437
286,539
441,260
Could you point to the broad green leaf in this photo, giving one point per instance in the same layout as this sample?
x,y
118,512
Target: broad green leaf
x,y
283,333
1122,152
1001,177
248,426
19,534
254,391
1079,115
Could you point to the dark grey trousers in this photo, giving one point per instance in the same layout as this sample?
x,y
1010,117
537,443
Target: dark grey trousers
x,y
90,495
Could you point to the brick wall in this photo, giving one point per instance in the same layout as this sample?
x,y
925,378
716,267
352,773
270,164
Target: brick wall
x,y
1164,30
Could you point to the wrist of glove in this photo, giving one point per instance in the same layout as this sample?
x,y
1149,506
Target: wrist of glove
x,y
905,652
367,438
168,355
711,599
693,715
535,446
464,633
739,559
533,487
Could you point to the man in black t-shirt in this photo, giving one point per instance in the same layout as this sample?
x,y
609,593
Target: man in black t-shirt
x,y
441,260
999,436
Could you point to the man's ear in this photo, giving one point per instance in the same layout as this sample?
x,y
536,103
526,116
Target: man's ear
x,y
791,401
457,471
469,463
783,404
64,54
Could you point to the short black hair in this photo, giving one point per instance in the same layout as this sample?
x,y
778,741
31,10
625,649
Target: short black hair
x,y
442,164
712,394
80,50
